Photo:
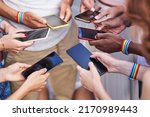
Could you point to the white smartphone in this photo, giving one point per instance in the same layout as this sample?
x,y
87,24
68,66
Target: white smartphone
x,y
36,35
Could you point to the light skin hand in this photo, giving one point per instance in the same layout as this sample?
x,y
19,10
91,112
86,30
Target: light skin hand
x,y
88,5
89,79
107,42
110,62
109,14
13,45
65,10
33,21
37,80
92,81
13,72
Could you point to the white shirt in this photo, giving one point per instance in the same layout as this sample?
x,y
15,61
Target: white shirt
x,y
42,8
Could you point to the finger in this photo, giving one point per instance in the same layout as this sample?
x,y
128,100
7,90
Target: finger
x,y
19,30
96,43
82,8
89,5
62,13
19,35
42,71
26,44
97,55
100,16
68,15
92,67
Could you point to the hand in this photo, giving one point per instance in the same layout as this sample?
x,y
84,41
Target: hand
x,y
88,5
110,63
36,81
13,72
90,79
109,14
65,11
13,45
33,21
107,42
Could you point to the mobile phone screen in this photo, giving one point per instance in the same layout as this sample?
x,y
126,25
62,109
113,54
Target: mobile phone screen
x,y
87,16
48,62
81,55
87,34
55,22
35,34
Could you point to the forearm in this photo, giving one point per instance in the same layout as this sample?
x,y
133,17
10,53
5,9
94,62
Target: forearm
x,y
19,94
69,1
135,48
125,68
101,93
7,11
2,74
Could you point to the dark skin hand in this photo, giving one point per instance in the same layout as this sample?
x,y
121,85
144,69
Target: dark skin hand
x,y
110,43
107,42
115,25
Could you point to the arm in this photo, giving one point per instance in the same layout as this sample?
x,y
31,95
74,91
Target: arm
x,y
146,86
118,66
108,42
7,11
35,82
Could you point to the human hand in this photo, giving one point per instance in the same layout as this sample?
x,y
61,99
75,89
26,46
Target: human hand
x,y
107,42
13,72
36,81
88,5
89,79
11,43
110,13
65,11
110,62
33,21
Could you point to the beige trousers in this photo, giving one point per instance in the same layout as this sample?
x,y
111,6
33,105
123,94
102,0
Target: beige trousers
x,y
62,77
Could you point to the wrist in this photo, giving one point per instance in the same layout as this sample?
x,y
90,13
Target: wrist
x,y
125,46
19,17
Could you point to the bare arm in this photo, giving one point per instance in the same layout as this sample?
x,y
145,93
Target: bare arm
x,y
146,86
7,11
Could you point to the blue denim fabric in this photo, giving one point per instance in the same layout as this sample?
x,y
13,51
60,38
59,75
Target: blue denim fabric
x,y
4,87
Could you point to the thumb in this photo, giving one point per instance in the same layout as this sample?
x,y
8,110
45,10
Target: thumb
x,y
92,67
42,71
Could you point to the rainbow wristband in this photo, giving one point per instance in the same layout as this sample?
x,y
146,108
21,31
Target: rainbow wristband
x,y
134,71
20,17
125,46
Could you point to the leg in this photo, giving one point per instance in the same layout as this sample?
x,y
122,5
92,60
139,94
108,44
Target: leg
x,y
83,94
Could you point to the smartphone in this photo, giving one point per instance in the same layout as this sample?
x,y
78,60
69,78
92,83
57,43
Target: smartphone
x,y
35,35
49,62
87,16
54,22
81,55
88,34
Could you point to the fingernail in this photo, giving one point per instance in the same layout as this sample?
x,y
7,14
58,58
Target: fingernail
x,y
96,17
25,35
45,69
93,9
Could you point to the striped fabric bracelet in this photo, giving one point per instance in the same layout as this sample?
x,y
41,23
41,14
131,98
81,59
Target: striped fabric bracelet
x,y
20,17
125,46
134,71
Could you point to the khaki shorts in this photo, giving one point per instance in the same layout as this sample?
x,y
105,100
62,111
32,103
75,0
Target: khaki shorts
x,y
62,77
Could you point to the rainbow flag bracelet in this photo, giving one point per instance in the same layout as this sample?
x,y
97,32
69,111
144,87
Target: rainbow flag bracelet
x,y
134,71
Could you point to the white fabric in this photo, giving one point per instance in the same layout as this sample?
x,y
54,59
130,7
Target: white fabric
x,y
41,8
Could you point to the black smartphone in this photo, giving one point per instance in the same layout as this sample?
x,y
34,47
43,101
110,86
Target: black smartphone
x,y
81,55
36,35
88,34
87,16
49,62
55,22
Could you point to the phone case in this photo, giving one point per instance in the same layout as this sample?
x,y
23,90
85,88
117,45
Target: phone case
x,y
81,55
87,16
